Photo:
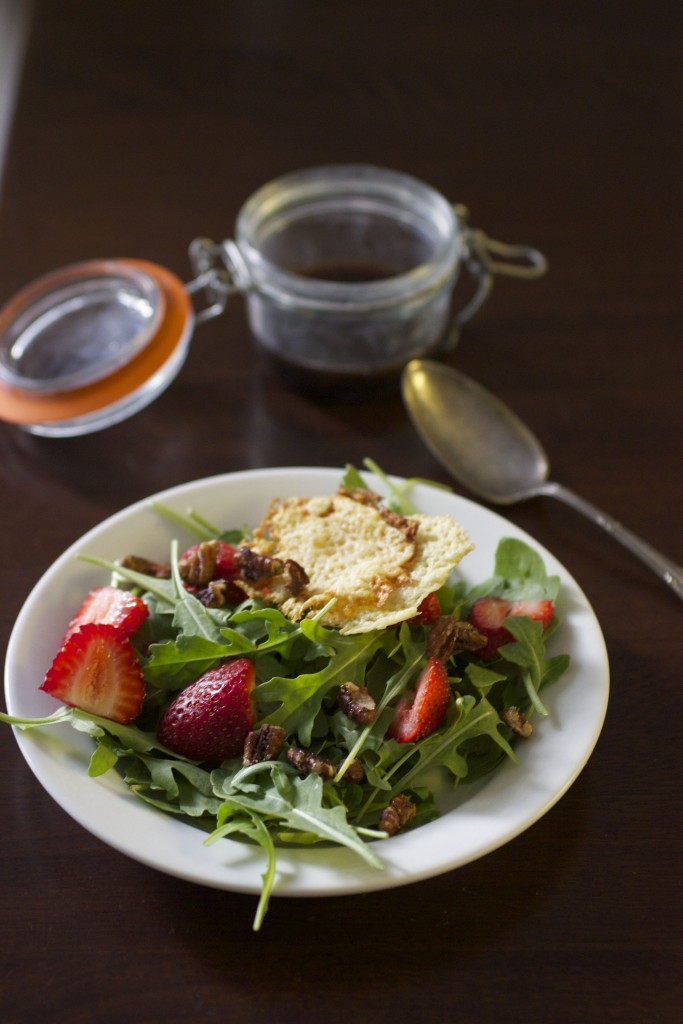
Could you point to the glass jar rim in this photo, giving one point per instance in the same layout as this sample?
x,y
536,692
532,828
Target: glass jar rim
x,y
334,187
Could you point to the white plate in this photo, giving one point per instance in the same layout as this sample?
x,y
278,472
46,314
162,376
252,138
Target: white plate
x,y
509,802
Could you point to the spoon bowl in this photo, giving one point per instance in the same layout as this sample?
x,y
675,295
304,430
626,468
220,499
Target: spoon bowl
x,y
476,437
494,454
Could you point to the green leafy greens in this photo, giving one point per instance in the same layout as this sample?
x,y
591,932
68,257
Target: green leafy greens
x,y
299,669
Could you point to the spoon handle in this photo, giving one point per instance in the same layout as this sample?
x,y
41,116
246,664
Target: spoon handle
x,y
667,570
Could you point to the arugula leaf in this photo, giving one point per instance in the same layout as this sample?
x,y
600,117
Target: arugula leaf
x,y
519,572
186,787
103,758
397,493
482,677
173,665
162,589
197,525
252,827
529,653
469,719
296,803
62,714
299,704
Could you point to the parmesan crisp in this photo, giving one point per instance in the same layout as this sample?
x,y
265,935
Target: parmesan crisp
x,y
377,565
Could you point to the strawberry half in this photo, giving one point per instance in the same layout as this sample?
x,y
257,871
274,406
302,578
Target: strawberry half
x,y
96,670
209,720
422,710
489,613
111,606
428,611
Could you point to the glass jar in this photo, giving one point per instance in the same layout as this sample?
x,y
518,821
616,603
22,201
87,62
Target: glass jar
x,y
348,271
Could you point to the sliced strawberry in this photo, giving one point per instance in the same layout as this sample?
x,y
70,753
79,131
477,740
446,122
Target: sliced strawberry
x,y
489,613
113,607
428,611
422,710
209,720
96,670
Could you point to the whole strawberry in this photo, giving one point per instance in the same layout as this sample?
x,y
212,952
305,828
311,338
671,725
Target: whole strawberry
x,y
209,720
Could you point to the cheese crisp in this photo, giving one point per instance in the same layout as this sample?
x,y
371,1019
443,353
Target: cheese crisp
x,y
376,565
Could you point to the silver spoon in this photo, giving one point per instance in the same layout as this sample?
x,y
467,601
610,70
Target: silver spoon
x,y
489,450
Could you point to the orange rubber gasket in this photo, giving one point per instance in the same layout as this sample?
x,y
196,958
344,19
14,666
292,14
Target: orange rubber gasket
x,y
17,406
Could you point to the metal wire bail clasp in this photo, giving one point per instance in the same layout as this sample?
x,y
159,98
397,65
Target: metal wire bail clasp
x,y
220,273
485,258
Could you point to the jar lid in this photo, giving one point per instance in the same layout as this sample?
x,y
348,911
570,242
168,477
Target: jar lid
x,y
90,344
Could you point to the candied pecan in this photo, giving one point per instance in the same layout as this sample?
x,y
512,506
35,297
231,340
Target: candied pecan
x,y
397,814
145,565
309,763
449,634
219,593
355,771
213,595
263,744
198,565
517,721
296,577
356,703
253,566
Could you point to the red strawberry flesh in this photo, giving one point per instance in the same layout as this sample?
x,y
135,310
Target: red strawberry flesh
x,y
428,611
209,719
96,669
112,606
489,613
423,710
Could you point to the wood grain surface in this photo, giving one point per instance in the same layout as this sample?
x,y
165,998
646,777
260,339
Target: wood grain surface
x,y
140,126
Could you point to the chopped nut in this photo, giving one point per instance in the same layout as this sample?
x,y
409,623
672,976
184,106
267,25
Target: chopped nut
x,y
356,703
263,744
145,565
449,634
295,577
218,593
397,814
309,763
517,721
198,566
288,576
355,771
213,596
253,566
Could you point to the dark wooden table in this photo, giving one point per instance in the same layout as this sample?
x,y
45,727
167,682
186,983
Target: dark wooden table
x,y
142,126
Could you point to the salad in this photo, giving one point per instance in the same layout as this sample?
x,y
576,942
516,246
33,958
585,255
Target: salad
x,y
335,738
